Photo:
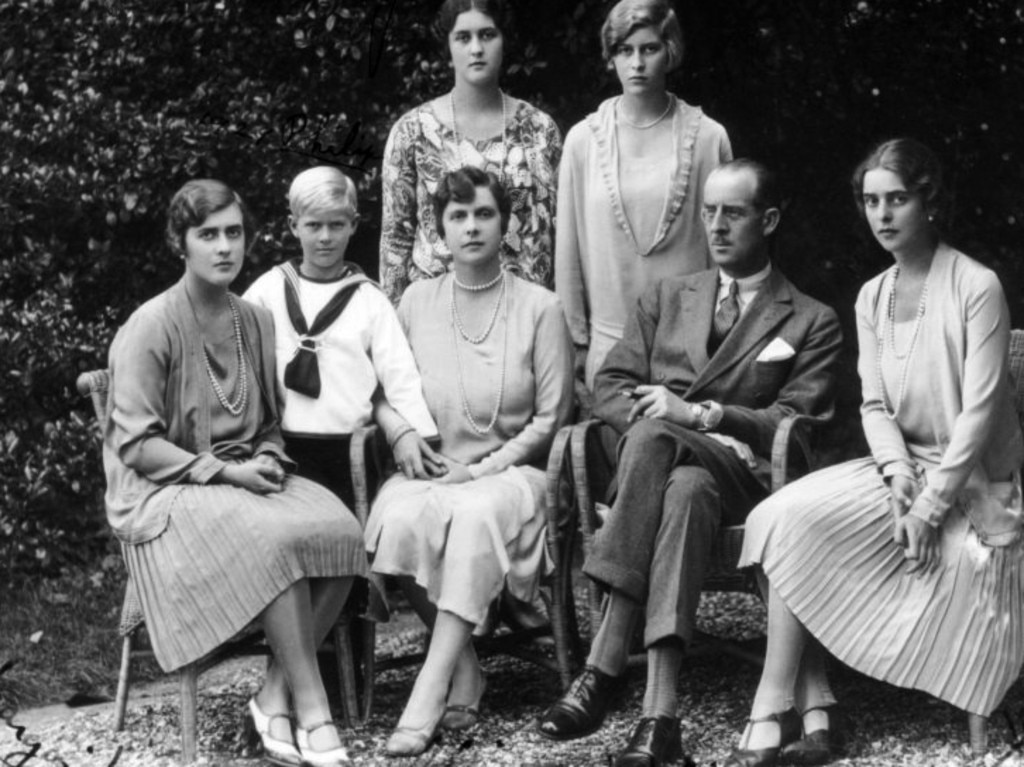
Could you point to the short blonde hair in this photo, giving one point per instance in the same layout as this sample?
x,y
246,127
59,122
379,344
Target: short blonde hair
x,y
320,188
627,16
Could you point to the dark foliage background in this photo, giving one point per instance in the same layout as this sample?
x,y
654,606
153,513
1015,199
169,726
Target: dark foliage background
x,y
107,106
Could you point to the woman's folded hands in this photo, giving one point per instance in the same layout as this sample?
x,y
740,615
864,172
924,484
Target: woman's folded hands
x,y
262,474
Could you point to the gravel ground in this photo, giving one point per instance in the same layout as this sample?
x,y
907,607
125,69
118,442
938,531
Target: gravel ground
x,y
890,726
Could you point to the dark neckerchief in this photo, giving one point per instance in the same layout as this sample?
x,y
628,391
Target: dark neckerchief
x,y
302,373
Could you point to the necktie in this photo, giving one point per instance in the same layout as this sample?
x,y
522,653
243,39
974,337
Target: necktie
x,y
725,318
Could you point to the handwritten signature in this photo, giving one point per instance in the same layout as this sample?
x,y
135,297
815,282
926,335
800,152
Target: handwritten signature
x,y
34,746
341,144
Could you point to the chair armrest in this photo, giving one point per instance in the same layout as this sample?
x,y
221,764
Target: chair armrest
x,y
584,401
785,434
559,508
589,487
559,470
95,384
365,456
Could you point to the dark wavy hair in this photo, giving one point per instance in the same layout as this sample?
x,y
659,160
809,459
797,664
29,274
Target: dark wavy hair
x,y
444,23
460,185
196,201
916,165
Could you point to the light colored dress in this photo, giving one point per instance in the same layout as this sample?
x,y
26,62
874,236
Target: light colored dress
x,y
464,542
826,541
604,261
207,558
421,148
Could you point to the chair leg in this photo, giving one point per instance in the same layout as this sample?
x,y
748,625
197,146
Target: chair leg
x,y
977,725
124,680
561,603
367,649
188,683
346,671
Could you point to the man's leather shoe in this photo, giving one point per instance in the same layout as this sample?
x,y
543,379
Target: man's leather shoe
x,y
655,741
581,710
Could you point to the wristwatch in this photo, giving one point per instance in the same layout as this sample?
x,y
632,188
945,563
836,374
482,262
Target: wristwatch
x,y
708,415
698,412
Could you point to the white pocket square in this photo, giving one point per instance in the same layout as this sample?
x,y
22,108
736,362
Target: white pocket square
x,y
777,351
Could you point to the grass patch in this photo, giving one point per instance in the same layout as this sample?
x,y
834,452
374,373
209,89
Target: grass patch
x,y
59,637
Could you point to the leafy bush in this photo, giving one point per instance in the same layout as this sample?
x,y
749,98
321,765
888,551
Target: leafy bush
x,y
50,477
108,106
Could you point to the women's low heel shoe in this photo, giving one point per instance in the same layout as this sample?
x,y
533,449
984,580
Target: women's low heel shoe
x,y
819,746
335,757
412,741
790,726
462,717
282,753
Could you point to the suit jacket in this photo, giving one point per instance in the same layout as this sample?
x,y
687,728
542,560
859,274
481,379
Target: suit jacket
x,y
666,343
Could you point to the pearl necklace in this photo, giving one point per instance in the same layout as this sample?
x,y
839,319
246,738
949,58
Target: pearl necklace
x,y
478,288
242,395
504,135
893,413
644,126
457,323
457,319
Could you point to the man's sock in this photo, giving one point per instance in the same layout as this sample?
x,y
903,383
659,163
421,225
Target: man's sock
x,y
610,649
664,660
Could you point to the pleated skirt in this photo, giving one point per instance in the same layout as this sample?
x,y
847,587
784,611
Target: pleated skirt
x,y
463,543
826,544
227,553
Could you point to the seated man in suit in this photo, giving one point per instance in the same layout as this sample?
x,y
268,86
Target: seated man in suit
x,y
709,365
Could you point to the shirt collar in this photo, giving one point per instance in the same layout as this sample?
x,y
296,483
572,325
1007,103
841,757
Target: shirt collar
x,y
748,284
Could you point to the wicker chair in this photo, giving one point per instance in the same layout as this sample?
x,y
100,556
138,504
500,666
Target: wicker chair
x,y
977,724
95,385
593,469
371,462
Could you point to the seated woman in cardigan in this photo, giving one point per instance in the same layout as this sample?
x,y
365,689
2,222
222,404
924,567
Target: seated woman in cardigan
x,y
906,565
215,530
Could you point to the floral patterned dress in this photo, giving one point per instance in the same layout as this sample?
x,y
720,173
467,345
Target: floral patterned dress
x,y
422,148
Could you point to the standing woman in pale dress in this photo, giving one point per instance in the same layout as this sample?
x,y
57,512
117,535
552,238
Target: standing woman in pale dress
x,y
476,124
629,187
907,565
216,530
496,361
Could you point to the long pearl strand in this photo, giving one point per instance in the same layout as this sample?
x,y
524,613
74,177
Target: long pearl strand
x,y
457,330
457,318
890,412
242,395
